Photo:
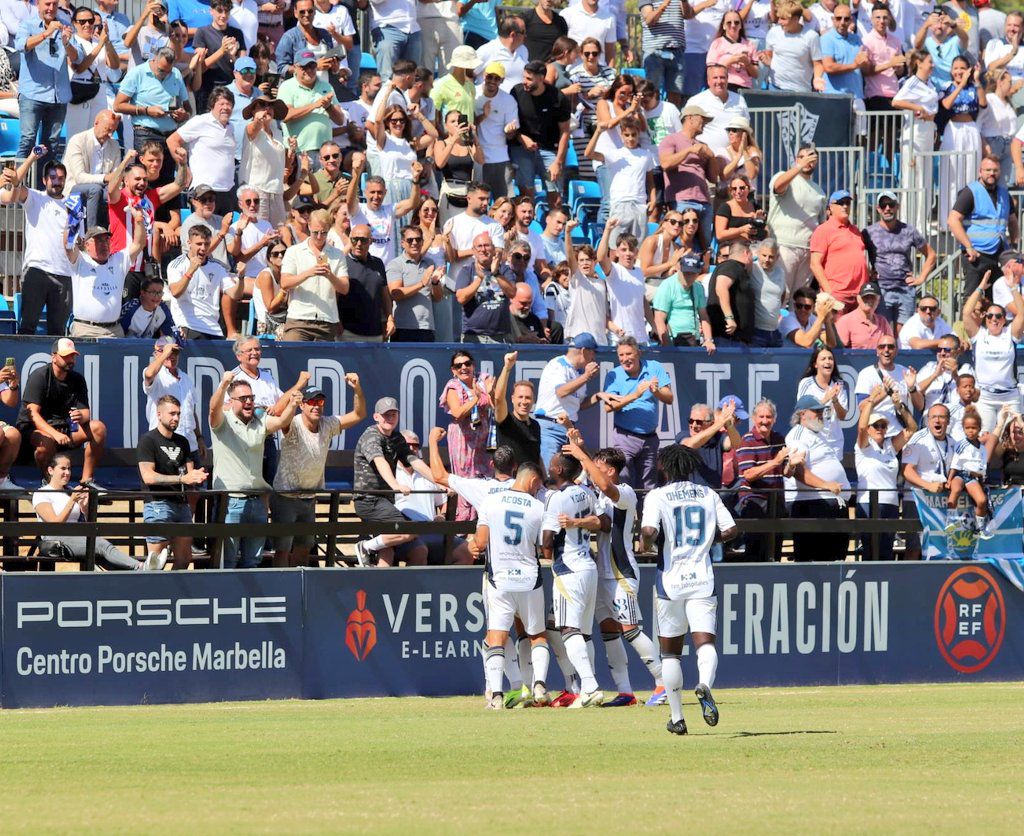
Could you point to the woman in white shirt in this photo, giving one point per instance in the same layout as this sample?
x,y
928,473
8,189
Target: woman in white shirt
x,y
921,102
822,380
877,462
396,152
270,303
998,122
96,68
264,156
53,504
588,309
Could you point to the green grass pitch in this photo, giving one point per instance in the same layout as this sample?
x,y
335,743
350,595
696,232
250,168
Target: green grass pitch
x,y
893,758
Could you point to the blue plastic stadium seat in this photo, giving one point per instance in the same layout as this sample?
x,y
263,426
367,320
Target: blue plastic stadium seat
x,y
367,61
571,159
583,190
10,133
637,71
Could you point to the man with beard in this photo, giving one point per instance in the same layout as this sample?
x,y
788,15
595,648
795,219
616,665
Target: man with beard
x,y
926,463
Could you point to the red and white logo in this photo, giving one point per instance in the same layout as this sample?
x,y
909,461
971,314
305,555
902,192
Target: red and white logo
x,y
970,619
360,629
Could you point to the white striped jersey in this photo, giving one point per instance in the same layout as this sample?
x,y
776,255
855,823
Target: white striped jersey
x,y
687,516
572,546
514,521
970,458
615,557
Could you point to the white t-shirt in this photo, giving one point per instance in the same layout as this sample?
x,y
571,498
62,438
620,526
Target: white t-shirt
x,y
211,151
792,58
46,220
969,458
382,229
463,228
915,91
491,131
58,500
513,62
251,236
583,25
795,214
688,516
395,159
558,372
572,554
1001,294
184,390
338,17
714,133
758,22
401,14
514,521
628,168
940,390
869,378
626,298
998,48
198,308
418,506
244,16
96,288
394,97
833,431
998,118
930,457
915,329
588,307
994,361
702,29
876,470
264,388
820,459
357,111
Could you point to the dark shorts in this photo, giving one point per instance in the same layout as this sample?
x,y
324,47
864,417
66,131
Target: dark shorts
x,y
378,509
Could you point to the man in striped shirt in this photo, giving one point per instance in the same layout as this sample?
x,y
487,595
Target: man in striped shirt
x,y
664,45
759,460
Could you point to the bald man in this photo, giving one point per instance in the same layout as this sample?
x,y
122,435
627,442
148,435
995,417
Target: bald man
x,y
484,294
366,311
526,326
90,158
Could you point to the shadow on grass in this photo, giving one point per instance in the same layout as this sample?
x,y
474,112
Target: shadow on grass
x,y
775,733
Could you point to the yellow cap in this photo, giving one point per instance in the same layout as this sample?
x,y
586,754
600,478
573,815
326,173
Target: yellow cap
x,y
495,68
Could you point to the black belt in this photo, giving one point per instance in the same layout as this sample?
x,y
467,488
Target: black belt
x,y
651,434
97,324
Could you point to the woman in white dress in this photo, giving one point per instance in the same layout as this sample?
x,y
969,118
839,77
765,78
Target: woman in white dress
x,y
921,102
264,156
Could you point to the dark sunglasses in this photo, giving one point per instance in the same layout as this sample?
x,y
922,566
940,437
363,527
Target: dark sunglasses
x,y
994,316
590,54
519,256
887,347
803,306
685,221
413,239
928,308
698,422
886,204
462,364
330,156
277,254
359,239
674,221
304,210
942,350
251,201
880,425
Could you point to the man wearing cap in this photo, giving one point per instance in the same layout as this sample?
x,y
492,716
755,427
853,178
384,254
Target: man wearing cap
x,y
46,277
55,412
203,201
311,106
455,90
395,33
680,307
91,158
305,37
508,50
633,391
224,44
863,327
379,449
239,434
722,104
797,206
543,140
811,319
202,290
706,439
243,88
838,253
97,280
890,246
984,222
305,442
497,120
688,164
562,392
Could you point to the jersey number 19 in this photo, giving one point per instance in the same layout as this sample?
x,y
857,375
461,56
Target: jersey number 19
x,y
690,517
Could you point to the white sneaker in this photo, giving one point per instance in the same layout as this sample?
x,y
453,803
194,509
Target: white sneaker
x,y
364,557
6,484
588,699
155,561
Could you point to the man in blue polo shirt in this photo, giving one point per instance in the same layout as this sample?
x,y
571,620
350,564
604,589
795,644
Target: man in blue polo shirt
x,y
632,390
843,56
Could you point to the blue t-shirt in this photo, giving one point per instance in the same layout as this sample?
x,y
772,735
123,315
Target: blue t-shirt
x,y
943,55
195,13
641,416
482,20
843,51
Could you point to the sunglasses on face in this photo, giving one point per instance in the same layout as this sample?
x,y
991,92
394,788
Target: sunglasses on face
x,y
928,308
519,256
880,425
85,21
591,54
397,121
887,347
735,131
316,401
886,204
303,12
359,239
687,221
251,201
277,254
732,23
414,239
942,350
330,156
804,306
317,233
740,188
246,72
699,422
244,399
206,198
304,210
843,19
993,316
462,364
674,221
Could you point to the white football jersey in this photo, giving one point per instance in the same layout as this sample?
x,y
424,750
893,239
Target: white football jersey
x,y
969,458
572,546
615,557
514,521
688,516
475,491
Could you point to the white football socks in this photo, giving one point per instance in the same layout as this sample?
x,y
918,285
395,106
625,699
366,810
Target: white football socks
x,y
643,645
494,662
375,544
525,660
541,657
557,646
511,665
707,664
672,671
618,664
576,650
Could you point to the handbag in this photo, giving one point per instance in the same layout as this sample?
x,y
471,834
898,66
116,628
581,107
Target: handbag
x,y
456,192
84,91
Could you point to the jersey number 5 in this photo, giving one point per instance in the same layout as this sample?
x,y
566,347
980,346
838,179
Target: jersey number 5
x,y
513,528
693,518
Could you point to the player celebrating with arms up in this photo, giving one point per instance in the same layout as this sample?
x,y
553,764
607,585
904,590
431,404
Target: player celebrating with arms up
x,y
690,516
509,528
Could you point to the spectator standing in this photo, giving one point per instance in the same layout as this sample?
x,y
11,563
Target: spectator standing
x,y
722,105
202,290
269,399
822,380
193,13
10,437
844,57
270,302
395,33
239,434
863,327
945,41
55,412
927,458
147,315
769,286
507,49
588,292
414,284
304,37
311,107
366,310
243,88
516,428
467,401
97,280
793,53
984,222
328,186
46,278
628,310
733,50
814,464
895,377
224,44
702,20
1003,51
890,245
379,449
712,434
680,307
731,297
164,377
93,73
314,273
209,142
483,291
961,99
738,218
250,238
886,61
586,20
838,254
997,123
797,207
926,328
440,33
305,442
497,121
543,133
592,79
203,201
938,377
166,468
90,159
561,392
806,329
688,165
455,90
760,460
44,86
918,96
382,218
630,176
632,392
544,25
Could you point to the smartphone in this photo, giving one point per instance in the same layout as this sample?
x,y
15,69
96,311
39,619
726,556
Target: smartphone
x,y
811,147
10,362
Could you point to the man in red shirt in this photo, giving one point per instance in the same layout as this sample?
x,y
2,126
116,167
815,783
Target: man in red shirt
x,y
838,255
863,327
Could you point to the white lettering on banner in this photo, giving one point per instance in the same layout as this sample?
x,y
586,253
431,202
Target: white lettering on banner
x,y
206,374
52,664
442,617
130,413
757,375
712,374
849,376
668,414
154,612
418,414
89,368
204,656
768,632
329,375
442,649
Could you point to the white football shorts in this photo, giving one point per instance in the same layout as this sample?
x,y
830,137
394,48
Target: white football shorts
x,y
687,615
617,600
502,607
573,597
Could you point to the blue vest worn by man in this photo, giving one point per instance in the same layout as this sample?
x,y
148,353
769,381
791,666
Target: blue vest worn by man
x,y
988,223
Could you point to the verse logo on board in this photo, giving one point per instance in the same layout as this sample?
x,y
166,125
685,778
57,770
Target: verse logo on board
x,y
360,629
970,619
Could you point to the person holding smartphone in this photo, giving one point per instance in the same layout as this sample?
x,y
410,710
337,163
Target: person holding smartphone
x,y
10,438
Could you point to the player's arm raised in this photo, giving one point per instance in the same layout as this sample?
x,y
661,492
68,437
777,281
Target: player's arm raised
x,y
438,474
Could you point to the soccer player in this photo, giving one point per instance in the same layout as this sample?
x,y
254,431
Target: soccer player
x,y
618,609
691,517
568,524
509,528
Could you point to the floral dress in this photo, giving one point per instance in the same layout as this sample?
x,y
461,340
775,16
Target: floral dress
x,y
467,446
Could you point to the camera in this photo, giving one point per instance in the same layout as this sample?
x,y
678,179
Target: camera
x,y
151,270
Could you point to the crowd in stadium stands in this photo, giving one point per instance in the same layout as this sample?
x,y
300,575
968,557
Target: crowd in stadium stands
x,y
231,156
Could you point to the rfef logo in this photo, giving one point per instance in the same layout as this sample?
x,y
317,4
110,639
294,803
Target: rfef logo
x,y
360,629
970,619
